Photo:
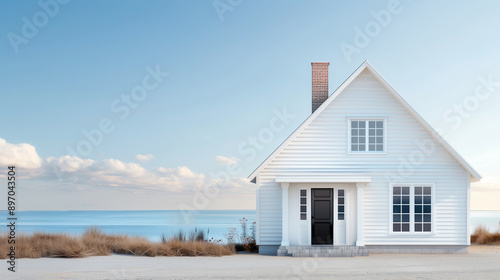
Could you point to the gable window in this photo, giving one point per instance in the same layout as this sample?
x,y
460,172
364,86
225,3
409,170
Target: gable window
x,y
366,135
303,204
412,206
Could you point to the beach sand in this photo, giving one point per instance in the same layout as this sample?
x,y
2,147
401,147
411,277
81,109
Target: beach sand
x,y
482,262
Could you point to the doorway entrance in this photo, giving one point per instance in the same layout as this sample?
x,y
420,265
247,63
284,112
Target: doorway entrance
x,y
322,216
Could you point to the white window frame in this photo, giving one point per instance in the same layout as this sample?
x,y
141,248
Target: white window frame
x,y
343,204
300,205
350,119
412,208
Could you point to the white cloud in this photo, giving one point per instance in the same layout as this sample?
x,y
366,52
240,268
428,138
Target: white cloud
x,y
161,169
74,173
144,158
222,160
118,174
21,155
70,163
180,171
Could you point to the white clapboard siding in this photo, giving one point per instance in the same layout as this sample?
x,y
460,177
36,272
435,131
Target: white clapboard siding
x,y
321,149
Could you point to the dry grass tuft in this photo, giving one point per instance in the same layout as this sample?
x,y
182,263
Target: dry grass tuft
x,y
68,247
483,236
136,246
176,247
96,243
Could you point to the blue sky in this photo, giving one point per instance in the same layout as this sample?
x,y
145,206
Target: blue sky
x,y
228,70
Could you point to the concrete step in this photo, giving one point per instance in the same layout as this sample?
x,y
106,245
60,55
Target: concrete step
x,y
322,255
322,251
329,251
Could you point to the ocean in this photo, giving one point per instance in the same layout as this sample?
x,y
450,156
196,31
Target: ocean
x,y
152,224
148,223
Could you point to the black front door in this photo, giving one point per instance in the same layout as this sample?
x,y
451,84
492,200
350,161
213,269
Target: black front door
x,y
322,216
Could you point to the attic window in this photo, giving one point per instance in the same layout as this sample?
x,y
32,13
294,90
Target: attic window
x,y
367,136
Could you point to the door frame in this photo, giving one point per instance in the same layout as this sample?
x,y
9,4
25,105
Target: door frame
x,y
332,215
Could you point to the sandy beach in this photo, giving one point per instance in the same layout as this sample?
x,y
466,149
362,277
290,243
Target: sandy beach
x,y
482,262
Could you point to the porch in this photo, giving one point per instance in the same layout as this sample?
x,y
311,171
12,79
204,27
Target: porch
x,y
338,223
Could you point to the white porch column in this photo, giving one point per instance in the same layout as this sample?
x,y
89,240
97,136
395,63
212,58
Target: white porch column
x,y
359,212
284,214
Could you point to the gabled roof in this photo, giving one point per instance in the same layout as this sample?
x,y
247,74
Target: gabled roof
x,y
366,65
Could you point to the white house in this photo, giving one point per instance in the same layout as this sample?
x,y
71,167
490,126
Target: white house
x,y
363,174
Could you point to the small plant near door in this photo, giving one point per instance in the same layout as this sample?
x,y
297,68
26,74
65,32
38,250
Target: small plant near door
x,y
243,241
244,231
250,244
231,235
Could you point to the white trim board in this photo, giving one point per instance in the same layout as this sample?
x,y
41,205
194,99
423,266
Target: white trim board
x,y
475,176
324,179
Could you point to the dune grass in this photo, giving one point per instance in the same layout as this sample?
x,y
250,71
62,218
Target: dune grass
x,y
483,236
94,242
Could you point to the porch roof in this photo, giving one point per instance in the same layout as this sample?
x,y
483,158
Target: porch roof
x,y
352,178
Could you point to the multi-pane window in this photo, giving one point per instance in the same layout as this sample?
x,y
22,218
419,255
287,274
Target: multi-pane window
x,y
303,204
422,209
358,136
412,208
401,209
367,136
340,202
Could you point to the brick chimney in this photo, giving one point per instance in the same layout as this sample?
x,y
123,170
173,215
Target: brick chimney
x,y
319,83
